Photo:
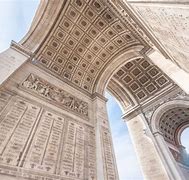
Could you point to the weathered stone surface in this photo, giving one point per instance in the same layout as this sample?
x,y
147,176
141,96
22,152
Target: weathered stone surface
x,y
169,22
53,118
53,93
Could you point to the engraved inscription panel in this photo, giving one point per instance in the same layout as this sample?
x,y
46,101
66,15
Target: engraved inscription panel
x,y
15,129
170,25
108,154
91,151
43,154
73,156
4,98
41,144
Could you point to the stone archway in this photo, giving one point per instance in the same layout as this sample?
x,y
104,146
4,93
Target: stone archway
x,y
54,123
167,122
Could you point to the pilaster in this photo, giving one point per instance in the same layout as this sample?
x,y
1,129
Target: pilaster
x,y
178,75
106,163
12,59
149,159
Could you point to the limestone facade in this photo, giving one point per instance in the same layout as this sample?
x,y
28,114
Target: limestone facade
x,y
53,118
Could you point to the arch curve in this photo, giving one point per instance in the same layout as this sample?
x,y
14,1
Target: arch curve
x,y
184,126
103,79
163,109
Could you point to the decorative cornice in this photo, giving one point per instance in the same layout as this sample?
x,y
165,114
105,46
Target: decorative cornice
x,y
97,95
178,96
143,29
21,49
125,11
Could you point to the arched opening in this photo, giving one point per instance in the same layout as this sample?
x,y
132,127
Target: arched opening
x,y
170,124
127,162
127,74
133,81
184,147
184,138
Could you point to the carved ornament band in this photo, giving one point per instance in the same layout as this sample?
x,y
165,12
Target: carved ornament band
x,y
63,98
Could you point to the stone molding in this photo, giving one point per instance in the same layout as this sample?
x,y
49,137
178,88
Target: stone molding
x,y
21,49
178,96
123,7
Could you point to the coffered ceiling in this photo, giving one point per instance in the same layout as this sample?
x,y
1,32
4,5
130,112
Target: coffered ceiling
x,y
171,121
142,79
86,37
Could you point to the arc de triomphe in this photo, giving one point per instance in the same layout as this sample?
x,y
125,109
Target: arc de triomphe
x,y
53,118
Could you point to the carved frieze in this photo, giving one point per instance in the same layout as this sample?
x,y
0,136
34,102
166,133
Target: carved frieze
x,y
61,97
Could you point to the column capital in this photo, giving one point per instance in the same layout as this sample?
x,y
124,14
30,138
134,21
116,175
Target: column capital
x,y
133,112
99,96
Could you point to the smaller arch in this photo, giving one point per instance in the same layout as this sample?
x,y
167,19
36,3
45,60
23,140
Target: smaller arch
x,y
184,126
123,97
104,78
164,108
169,120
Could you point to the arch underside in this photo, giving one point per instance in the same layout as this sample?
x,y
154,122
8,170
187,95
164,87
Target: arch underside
x,y
169,120
172,121
139,83
83,39
77,50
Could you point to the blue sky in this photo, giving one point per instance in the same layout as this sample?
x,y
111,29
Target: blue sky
x,y
15,20
184,139
127,163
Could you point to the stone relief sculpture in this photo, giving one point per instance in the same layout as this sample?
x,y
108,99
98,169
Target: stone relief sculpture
x,y
53,93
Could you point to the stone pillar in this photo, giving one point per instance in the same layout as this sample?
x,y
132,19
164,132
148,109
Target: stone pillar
x,y
106,164
178,75
11,60
149,159
166,156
